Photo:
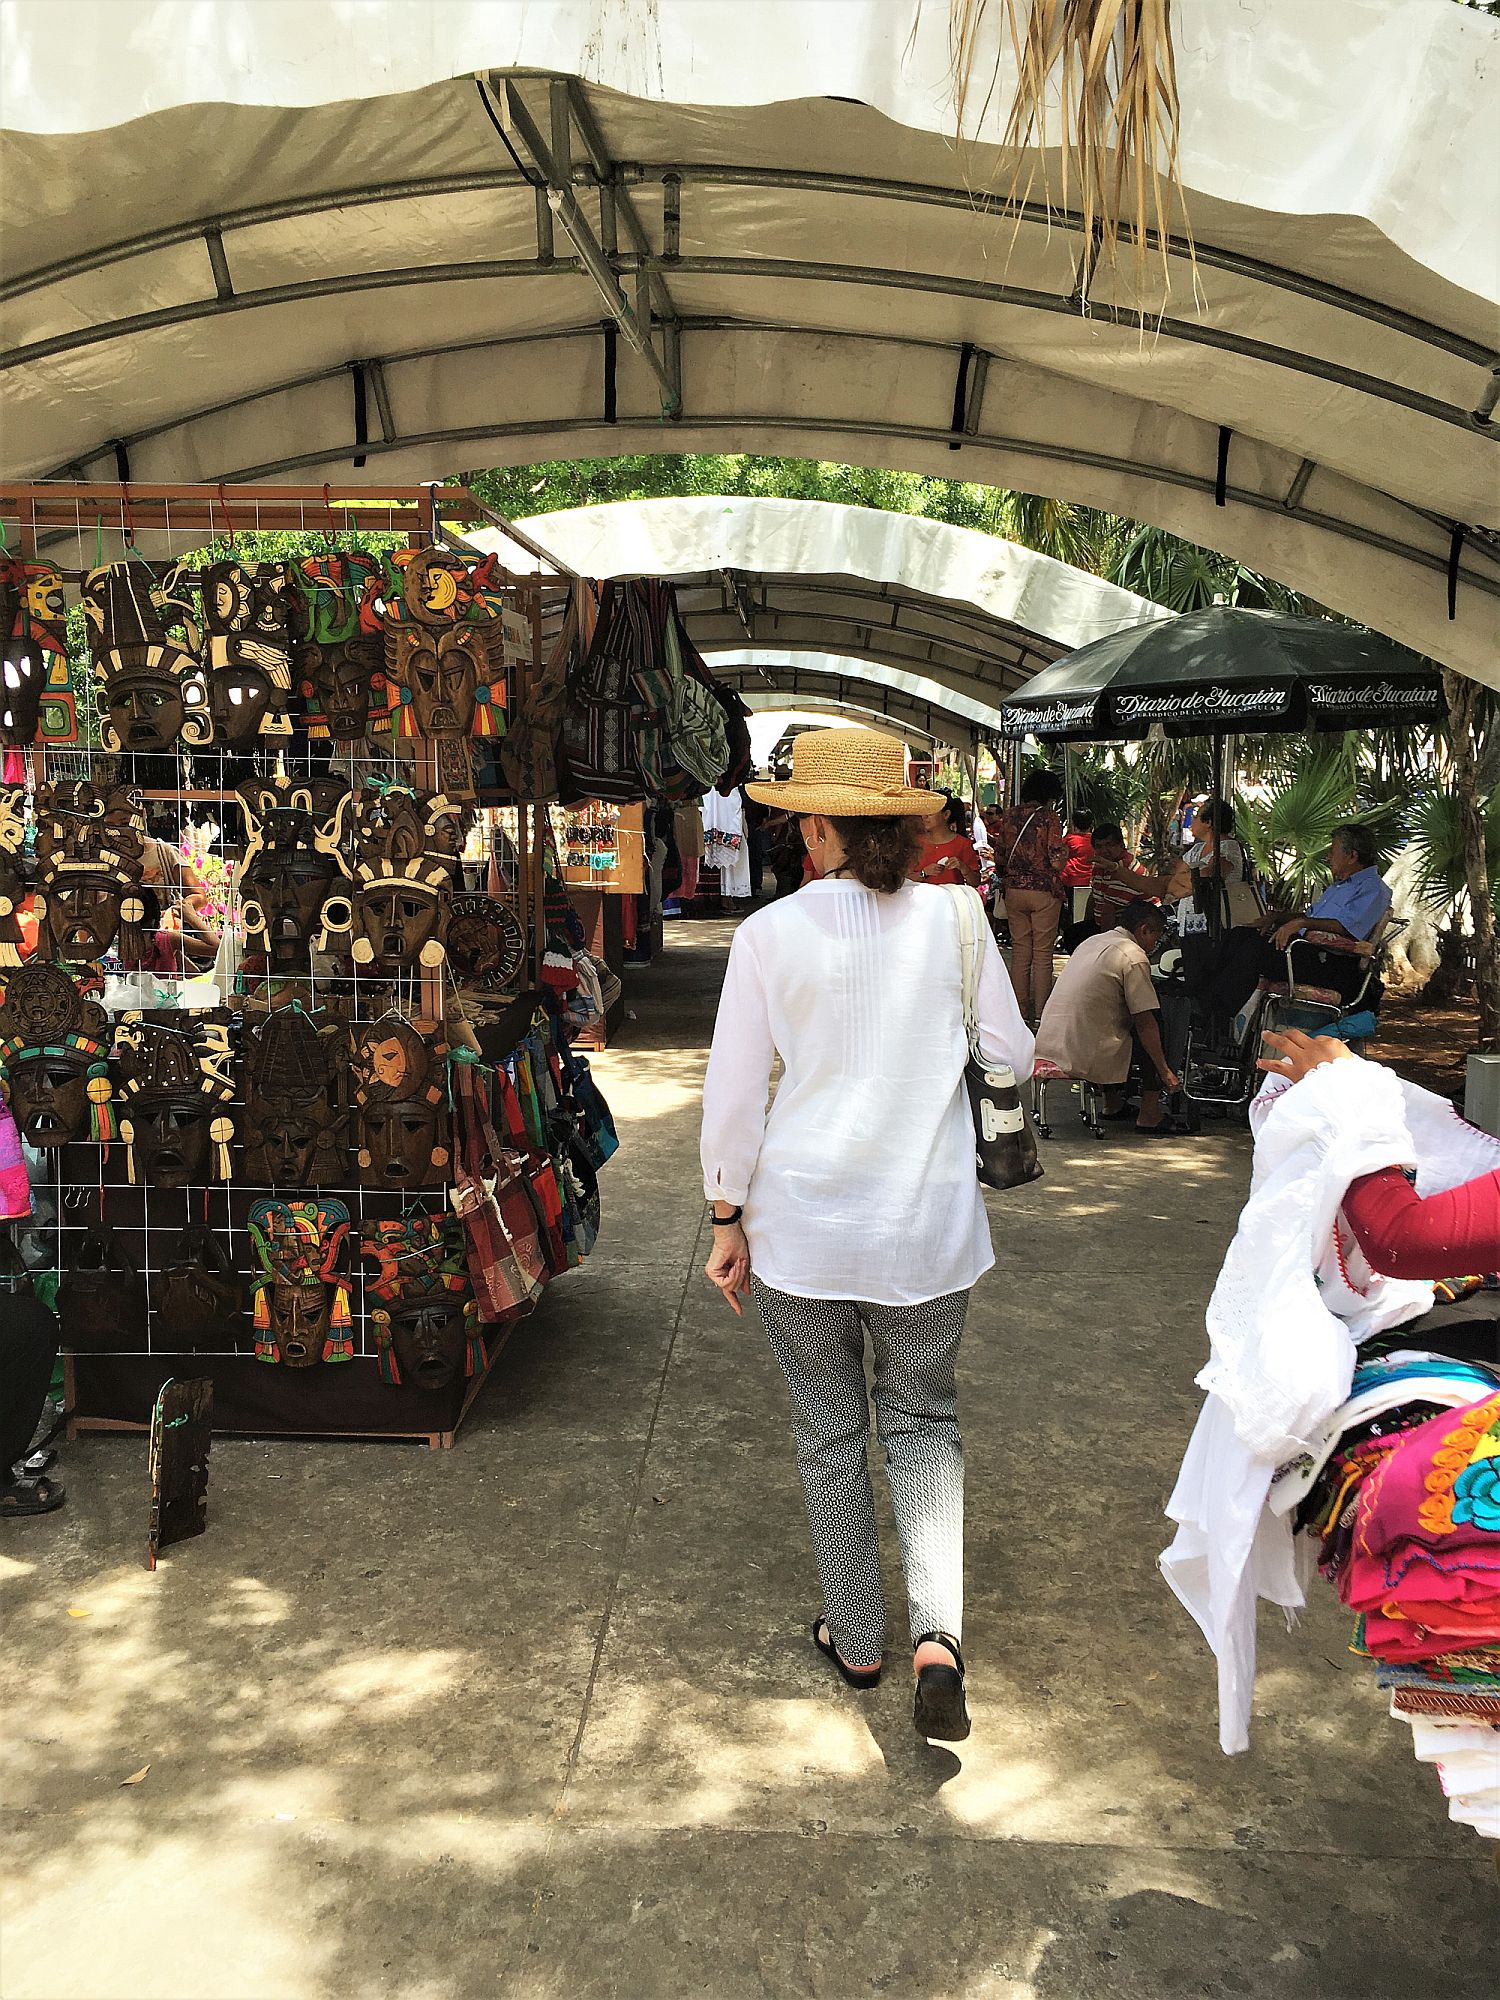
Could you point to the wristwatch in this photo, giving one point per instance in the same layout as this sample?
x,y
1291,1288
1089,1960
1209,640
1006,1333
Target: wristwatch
x,y
723,1221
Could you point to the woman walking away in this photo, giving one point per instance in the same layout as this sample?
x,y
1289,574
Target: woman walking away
x,y
852,1207
1030,855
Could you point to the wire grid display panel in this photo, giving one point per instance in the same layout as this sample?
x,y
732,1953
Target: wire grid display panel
x,y
83,1183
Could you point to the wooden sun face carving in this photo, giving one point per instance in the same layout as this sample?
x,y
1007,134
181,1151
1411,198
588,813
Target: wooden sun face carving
x,y
401,1106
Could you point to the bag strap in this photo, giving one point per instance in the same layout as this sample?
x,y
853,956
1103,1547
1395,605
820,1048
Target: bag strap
x,y
965,902
1019,838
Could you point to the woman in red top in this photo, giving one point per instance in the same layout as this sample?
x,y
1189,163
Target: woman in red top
x,y
947,854
1078,869
1030,855
1402,1233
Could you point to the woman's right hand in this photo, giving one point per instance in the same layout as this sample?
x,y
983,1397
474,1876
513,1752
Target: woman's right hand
x,y
728,1265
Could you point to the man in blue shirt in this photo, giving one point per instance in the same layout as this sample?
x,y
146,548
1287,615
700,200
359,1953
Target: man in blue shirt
x,y
1352,906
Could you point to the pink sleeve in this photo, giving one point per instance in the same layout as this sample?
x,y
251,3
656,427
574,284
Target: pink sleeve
x,y
1443,1236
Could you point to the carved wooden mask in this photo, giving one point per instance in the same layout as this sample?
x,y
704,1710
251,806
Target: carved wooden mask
x,y
425,1317
247,610
101,1300
405,843
198,1293
401,1104
301,1294
295,1070
89,849
12,881
293,879
149,684
175,1089
54,1057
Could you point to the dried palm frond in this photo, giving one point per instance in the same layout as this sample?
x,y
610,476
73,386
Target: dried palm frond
x,y
1113,64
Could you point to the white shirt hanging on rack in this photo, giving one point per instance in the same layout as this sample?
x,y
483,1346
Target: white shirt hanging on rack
x,y
726,844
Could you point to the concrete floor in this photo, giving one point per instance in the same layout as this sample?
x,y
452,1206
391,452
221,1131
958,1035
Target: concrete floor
x,y
539,1717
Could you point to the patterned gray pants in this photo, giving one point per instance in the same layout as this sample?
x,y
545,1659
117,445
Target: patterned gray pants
x,y
820,1344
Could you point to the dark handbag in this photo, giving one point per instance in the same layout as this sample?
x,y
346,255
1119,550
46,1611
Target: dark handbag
x,y
1005,1153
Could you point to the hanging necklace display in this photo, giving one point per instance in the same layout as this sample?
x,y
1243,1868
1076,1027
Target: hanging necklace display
x,y
247,649
445,655
426,1320
12,881
54,1057
301,1295
101,1301
295,1071
175,1087
32,615
293,879
197,1296
400,1083
89,850
486,945
337,648
149,685
406,843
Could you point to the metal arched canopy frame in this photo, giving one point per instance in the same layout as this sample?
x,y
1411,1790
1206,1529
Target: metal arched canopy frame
x,y
679,234
943,613
859,687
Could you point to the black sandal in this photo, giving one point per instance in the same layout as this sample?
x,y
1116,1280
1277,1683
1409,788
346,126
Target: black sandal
x,y
867,1677
31,1496
939,1711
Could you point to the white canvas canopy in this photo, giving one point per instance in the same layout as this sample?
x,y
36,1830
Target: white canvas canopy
x,y
279,237
912,617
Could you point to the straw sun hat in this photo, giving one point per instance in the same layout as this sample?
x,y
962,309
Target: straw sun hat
x,y
847,774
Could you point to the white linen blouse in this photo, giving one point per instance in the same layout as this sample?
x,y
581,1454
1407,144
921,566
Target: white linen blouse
x,y
859,1183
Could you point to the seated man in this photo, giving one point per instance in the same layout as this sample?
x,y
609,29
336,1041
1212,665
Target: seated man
x,y
1117,879
1352,906
1104,1008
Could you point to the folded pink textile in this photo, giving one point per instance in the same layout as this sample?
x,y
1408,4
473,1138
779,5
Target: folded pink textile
x,y
15,1188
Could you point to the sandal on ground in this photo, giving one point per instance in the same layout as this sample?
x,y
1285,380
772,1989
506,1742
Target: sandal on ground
x,y
31,1496
867,1677
939,1711
1169,1128
1126,1111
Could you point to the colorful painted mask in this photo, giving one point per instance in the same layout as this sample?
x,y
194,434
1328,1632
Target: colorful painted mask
x,y
293,879
12,881
486,944
301,1295
247,609
445,654
198,1294
54,1057
401,1105
425,1318
404,846
296,1122
176,1085
32,621
89,850
338,653
149,684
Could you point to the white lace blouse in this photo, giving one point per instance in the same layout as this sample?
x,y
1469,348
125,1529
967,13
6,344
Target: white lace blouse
x,y
859,1183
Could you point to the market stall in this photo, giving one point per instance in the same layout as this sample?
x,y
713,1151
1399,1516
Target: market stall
x,y
301,1101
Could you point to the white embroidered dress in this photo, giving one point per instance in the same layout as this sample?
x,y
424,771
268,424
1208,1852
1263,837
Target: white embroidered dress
x,y
860,1182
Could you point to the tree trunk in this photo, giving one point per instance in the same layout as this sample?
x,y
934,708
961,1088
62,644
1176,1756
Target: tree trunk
x,y
1462,694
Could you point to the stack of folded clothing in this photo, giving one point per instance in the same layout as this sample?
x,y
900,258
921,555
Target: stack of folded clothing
x,y
1406,1508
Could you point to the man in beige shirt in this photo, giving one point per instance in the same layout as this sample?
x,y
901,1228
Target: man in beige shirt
x,y
1104,1009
